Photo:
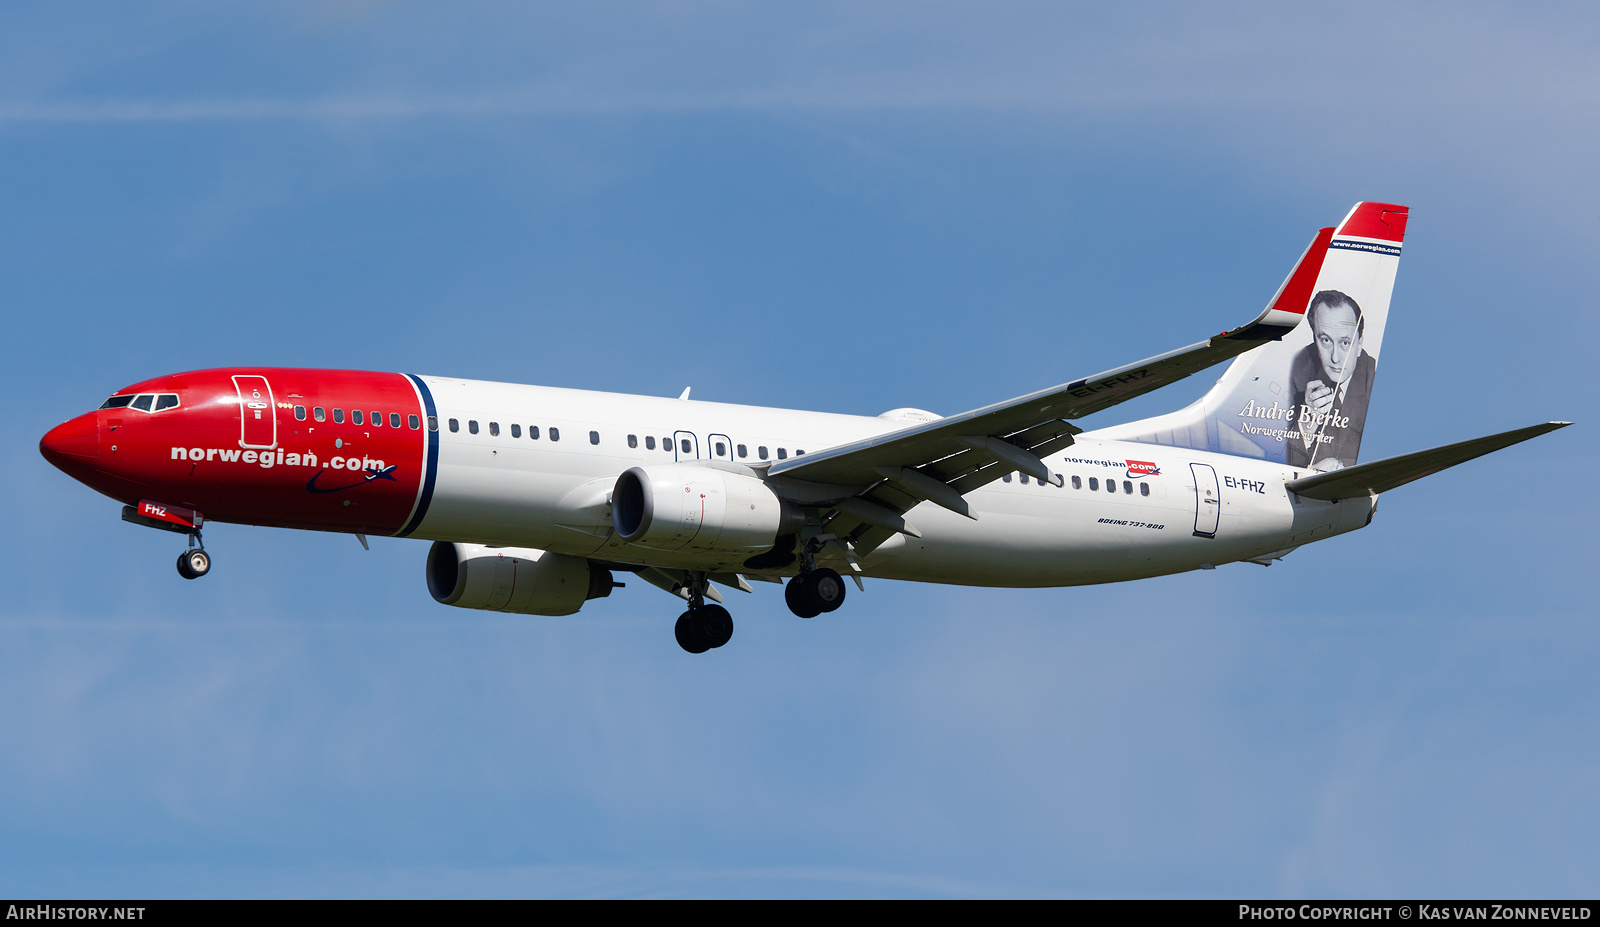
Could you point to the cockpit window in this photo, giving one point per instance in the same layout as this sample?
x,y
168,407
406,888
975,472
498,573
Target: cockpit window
x,y
144,402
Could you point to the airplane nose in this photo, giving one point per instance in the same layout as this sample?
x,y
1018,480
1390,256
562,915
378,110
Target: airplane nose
x,y
72,442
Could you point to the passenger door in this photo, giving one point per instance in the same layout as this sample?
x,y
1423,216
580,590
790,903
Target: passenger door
x,y
258,414
1207,500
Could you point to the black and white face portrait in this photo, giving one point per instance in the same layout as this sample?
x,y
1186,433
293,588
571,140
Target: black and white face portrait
x,y
1336,331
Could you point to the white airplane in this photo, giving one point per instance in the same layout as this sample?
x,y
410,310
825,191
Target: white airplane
x,y
535,497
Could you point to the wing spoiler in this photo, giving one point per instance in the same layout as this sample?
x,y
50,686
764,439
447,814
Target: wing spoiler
x,y
1383,475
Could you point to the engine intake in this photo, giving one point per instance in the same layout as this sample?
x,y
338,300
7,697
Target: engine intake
x,y
523,580
689,507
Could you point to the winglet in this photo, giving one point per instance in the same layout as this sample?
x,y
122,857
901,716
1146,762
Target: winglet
x,y
1288,305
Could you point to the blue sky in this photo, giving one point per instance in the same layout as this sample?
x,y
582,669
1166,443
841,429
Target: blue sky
x,y
827,206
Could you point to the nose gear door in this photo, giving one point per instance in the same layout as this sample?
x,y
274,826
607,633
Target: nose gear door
x,y
258,414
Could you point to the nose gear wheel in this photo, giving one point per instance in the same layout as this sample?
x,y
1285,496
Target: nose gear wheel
x,y
194,563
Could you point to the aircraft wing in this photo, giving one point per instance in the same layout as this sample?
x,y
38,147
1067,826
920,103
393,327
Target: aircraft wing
x,y
1383,475
879,479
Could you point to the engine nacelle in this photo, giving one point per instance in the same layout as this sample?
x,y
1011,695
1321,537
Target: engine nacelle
x,y
697,508
513,579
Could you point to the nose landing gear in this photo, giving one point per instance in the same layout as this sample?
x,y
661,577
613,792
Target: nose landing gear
x,y
194,562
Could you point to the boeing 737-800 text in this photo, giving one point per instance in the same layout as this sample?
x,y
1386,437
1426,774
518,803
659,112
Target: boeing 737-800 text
x,y
535,498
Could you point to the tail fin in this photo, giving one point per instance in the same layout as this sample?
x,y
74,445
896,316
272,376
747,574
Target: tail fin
x,y
1302,400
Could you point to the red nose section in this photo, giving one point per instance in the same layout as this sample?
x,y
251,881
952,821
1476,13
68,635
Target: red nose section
x,y
72,444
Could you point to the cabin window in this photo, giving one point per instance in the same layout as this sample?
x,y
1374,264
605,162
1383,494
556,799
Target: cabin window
x,y
318,413
555,433
1022,478
494,429
1077,483
1127,487
454,425
472,425
1006,478
722,449
533,432
633,440
412,422
299,411
169,400
685,446
377,419
516,430
1144,489
433,423
394,419
1111,485
761,452
355,417
117,402
1094,483
742,451
783,454
338,416
798,453
649,442
594,437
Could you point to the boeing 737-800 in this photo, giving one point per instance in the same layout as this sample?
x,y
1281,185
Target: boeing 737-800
x,y
535,498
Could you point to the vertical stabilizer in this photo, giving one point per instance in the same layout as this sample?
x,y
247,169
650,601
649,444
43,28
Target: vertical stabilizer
x,y
1302,400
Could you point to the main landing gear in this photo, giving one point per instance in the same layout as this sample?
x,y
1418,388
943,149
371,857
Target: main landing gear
x,y
194,562
814,592
703,627
707,626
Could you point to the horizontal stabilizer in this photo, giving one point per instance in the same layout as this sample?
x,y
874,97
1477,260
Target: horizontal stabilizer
x,y
1384,475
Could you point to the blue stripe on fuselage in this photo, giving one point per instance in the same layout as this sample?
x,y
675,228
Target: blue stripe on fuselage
x,y
430,471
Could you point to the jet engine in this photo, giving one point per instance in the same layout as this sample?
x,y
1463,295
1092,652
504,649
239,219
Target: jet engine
x,y
513,579
699,508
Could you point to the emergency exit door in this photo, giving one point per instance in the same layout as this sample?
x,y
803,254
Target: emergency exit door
x,y
1207,500
685,446
258,414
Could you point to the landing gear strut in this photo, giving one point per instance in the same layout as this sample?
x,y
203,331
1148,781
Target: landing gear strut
x,y
194,562
704,626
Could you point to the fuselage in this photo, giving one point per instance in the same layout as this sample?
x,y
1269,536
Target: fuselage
x,y
511,465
